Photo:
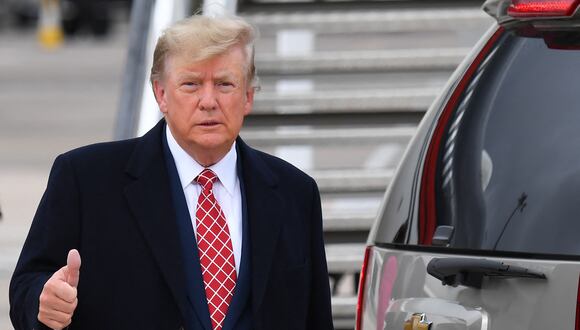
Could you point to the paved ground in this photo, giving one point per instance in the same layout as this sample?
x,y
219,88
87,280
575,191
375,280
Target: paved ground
x,y
50,102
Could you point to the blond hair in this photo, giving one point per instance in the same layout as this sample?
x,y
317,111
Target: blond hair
x,y
203,37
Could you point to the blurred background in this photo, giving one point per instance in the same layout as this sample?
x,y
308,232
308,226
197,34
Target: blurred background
x,y
344,84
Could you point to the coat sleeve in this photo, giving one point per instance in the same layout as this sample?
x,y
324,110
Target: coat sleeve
x,y
319,313
54,231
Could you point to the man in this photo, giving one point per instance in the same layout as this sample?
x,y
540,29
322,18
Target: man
x,y
186,227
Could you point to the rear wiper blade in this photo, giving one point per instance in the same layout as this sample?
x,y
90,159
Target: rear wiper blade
x,y
470,272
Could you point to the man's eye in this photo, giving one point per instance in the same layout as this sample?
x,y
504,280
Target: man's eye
x,y
226,85
190,85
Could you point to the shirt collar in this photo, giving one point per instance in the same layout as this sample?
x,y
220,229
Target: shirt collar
x,y
188,169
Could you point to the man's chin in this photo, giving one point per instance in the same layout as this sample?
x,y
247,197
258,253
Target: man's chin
x,y
211,144
208,153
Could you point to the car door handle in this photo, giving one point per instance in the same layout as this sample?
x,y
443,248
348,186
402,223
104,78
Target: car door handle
x,y
470,272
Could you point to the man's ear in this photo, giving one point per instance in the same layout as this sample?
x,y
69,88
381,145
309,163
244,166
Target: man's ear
x,y
159,91
249,100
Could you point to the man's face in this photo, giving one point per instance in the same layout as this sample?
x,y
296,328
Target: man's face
x,y
205,102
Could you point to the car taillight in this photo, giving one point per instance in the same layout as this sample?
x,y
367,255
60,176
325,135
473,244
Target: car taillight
x,y
543,8
361,289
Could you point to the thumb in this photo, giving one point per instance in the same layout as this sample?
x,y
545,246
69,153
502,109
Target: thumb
x,y
73,265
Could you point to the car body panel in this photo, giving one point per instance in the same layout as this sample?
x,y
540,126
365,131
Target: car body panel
x,y
398,286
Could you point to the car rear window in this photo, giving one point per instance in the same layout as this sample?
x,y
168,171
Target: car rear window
x,y
509,168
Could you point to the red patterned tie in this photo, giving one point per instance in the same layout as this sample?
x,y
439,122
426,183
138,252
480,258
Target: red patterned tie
x,y
216,254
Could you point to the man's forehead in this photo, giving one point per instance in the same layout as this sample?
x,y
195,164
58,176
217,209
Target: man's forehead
x,y
192,74
183,65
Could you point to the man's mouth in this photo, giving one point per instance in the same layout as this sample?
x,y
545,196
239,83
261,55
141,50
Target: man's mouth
x,y
209,123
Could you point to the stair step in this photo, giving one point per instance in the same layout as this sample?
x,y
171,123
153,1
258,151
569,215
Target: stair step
x,y
346,323
357,180
362,61
354,205
344,306
336,80
348,222
392,100
261,120
344,312
325,136
356,21
345,258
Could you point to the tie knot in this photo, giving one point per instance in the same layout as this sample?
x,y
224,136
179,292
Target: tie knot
x,y
206,179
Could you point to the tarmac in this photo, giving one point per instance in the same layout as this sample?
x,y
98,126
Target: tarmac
x,y
50,101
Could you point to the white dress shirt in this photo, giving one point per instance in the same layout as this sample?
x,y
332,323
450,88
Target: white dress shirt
x,y
226,189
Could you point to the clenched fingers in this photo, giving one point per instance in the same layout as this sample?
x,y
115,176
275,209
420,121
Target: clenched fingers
x,y
59,305
56,313
60,289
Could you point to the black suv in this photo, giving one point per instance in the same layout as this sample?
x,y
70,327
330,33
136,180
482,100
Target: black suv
x,y
480,228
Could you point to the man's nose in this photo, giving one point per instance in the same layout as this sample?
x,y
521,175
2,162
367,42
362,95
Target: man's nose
x,y
207,98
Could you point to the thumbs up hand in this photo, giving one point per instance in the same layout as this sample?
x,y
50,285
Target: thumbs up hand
x,y
58,299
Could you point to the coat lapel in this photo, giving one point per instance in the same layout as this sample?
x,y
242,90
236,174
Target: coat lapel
x,y
264,205
241,296
191,265
149,200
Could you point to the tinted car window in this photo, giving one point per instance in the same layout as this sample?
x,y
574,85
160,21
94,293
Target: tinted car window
x,y
509,171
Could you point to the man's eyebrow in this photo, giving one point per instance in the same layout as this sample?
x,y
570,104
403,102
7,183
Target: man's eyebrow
x,y
189,75
221,75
